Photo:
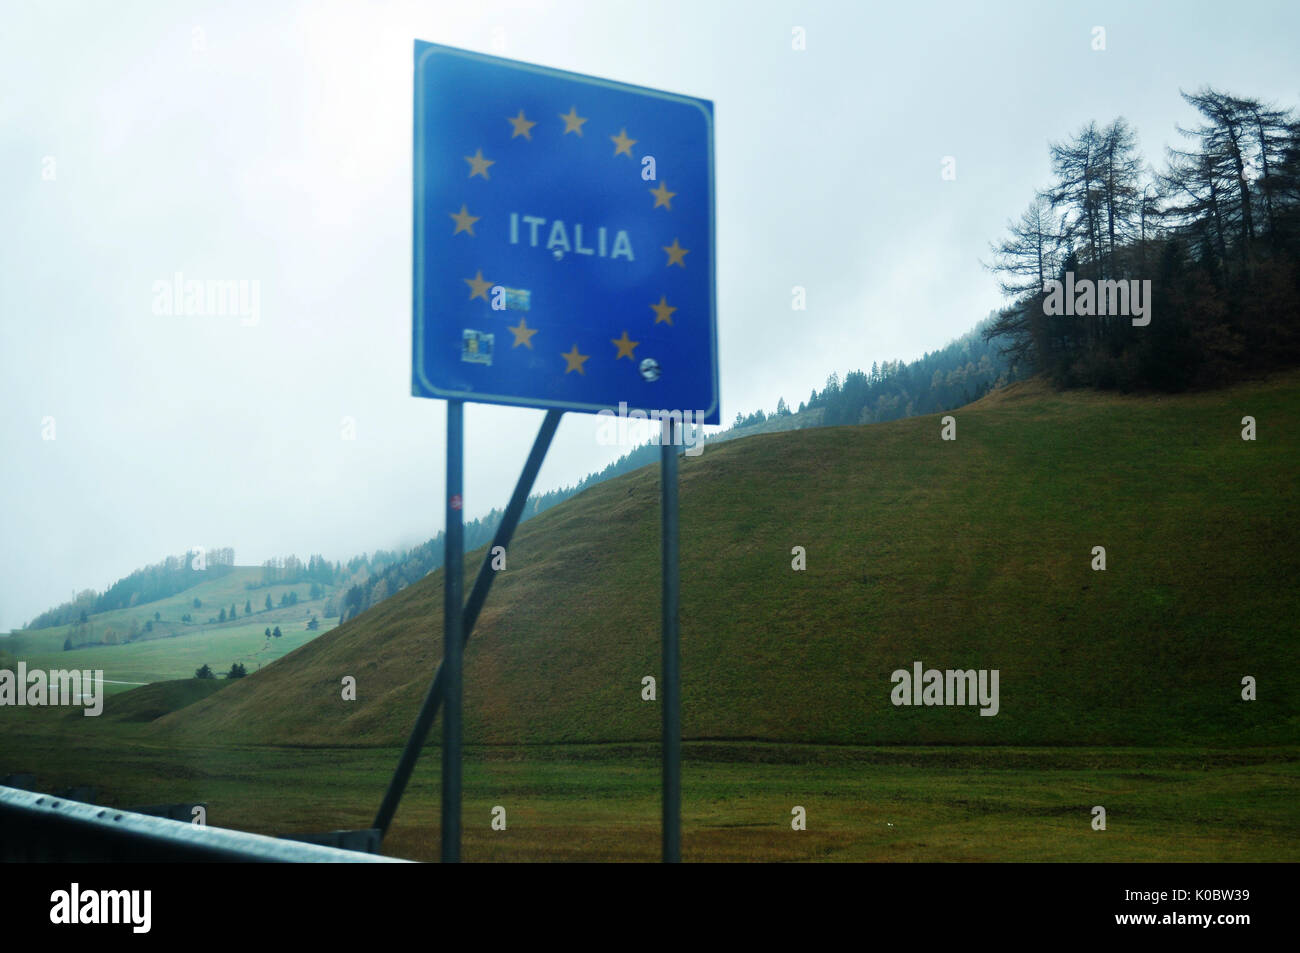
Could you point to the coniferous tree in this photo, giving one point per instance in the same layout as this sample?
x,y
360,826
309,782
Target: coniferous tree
x,y
1211,240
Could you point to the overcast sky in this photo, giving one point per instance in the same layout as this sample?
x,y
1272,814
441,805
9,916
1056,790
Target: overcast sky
x,y
271,142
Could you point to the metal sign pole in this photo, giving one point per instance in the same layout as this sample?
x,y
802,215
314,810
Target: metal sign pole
x,y
453,648
473,605
672,689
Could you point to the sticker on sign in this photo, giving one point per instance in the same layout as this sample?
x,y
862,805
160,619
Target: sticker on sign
x,y
563,239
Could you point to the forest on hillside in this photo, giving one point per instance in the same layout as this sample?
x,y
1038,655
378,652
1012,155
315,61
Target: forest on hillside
x,y
162,579
1216,233
955,375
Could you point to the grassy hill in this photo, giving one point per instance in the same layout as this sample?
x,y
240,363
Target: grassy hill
x,y
973,553
174,649
149,702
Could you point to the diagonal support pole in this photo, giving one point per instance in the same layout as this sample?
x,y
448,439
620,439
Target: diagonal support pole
x,y
453,645
478,595
672,671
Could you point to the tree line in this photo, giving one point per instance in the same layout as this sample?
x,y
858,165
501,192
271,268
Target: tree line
x,y
955,375
237,670
1216,232
158,581
291,569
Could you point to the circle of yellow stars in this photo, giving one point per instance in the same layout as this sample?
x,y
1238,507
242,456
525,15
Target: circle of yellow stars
x,y
479,166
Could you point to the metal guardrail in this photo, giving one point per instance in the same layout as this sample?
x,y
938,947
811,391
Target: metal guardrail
x,y
39,827
183,811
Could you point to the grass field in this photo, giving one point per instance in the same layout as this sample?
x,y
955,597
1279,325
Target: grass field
x,y
601,802
172,658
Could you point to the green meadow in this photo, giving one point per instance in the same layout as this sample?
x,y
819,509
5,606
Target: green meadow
x,y
601,802
180,656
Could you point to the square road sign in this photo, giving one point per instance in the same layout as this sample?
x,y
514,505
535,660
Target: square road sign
x,y
563,240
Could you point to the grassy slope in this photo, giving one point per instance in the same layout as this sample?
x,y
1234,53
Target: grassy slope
x,y
178,658
217,594
176,649
973,553
149,702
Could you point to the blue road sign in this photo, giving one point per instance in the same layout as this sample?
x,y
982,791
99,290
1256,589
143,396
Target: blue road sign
x,y
564,239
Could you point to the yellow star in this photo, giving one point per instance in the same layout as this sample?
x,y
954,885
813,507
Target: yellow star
x,y
663,311
622,143
478,286
663,196
675,253
575,360
573,123
522,125
625,347
523,334
464,221
478,164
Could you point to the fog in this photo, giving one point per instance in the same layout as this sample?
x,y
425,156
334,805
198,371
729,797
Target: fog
x,y
271,144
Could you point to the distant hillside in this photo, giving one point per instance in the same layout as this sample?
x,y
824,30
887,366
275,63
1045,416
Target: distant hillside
x,y
233,587
170,638
973,553
149,584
